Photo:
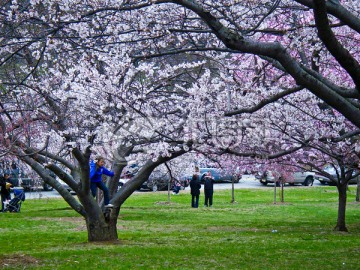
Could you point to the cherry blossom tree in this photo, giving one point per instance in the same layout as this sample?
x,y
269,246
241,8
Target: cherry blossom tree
x,y
304,135
77,77
297,132
64,115
312,43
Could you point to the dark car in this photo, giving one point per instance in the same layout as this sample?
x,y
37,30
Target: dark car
x,y
29,183
20,178
158,179
220,175
128,173
161,181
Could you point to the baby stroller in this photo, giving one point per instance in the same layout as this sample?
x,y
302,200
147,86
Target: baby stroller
x,y
15,204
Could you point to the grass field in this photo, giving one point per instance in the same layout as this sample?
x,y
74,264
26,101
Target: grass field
x,y
252,233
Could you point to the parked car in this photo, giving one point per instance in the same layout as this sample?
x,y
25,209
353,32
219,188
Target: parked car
x,y
19,177
34,184
220,175
28,183
144,186
322,179
128,173
67,187
157,181
305,178
332,171
266,177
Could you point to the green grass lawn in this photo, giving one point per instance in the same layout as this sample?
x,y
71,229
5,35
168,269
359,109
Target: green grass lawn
x,y
252,233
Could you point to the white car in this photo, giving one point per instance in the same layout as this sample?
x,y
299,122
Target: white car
x,y
266,177
331,170
304,178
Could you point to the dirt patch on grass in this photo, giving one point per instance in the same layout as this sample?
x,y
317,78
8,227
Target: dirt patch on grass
x,y
17,260
166,203
108,243
66,219
354,202
79,221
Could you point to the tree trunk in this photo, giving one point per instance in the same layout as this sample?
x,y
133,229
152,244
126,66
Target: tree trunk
x,y
342,189
169,185
103,228
232,191
358,190
274,192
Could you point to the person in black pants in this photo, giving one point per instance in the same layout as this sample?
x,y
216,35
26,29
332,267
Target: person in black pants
x,y
208,189
5,190
195,191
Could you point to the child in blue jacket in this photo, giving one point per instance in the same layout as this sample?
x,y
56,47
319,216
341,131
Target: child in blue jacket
x,y
97,169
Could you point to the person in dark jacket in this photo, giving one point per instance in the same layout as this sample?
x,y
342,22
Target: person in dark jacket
x,y
195,191
97,169
208,189
5,190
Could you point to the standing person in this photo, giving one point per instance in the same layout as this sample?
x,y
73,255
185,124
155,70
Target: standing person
x,y
208,189
97,169
195,191
5,190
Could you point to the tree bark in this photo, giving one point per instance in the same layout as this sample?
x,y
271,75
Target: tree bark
x,y
342,189
232,191
104,227
275,192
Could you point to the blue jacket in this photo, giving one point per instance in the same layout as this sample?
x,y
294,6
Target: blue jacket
x,y
96,174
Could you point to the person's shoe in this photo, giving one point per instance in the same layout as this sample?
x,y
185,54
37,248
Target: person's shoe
x,y
109,205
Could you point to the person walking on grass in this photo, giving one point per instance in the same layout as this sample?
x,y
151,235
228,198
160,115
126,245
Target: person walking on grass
x,y
97,169
208,189
195,191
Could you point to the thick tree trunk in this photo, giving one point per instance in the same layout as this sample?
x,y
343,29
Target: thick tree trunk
x,y
103,228
342,189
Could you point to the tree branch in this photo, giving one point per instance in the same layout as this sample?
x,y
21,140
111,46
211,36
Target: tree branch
x,y
264,102
341,54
